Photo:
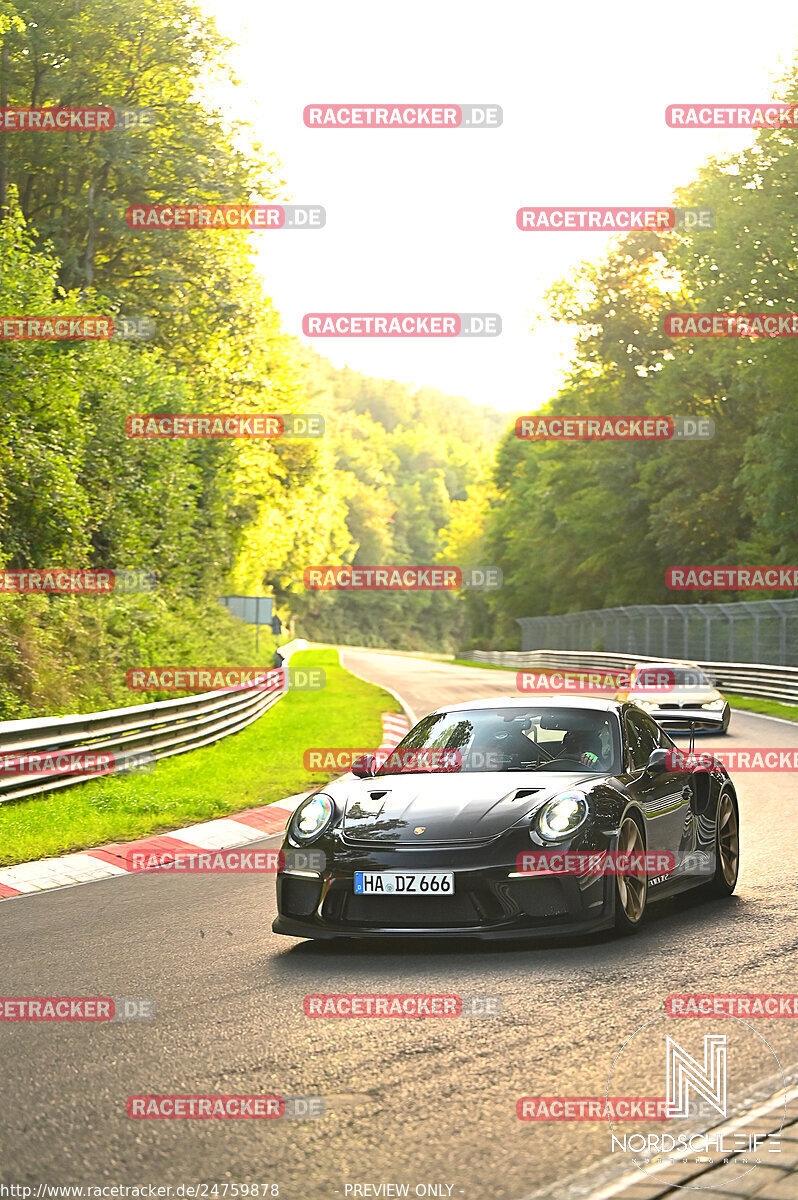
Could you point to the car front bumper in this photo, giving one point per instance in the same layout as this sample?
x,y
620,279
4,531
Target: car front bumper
x,y
676,718
488,902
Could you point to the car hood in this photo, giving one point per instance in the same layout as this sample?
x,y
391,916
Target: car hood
x,y
438,807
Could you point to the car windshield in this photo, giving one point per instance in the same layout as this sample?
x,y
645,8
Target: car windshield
x,y
509,739
666,678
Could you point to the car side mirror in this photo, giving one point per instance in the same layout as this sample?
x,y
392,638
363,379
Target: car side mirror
x,y
657,761
364,766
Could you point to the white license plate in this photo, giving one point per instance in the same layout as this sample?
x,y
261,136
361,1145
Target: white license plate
x,y
404,883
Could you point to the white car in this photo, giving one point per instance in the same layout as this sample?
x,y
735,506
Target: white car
x,y
676,692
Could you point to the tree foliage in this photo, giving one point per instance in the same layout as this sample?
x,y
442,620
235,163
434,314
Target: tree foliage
x,y
207,516
585,525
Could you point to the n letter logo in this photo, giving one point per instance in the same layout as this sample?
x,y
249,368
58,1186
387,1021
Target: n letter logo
x,y
683,1073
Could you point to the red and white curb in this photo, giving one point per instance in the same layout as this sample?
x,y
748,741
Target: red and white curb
x,y
118,858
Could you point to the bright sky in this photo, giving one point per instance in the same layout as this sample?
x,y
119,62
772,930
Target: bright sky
x,y
424,221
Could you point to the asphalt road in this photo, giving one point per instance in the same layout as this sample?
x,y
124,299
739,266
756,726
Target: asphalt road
x,y
407,1101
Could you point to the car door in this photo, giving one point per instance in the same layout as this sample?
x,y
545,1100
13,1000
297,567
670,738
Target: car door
x,y
664,797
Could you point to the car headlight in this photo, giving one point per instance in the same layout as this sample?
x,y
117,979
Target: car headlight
x,y
561,817
312,818
647,705
719,703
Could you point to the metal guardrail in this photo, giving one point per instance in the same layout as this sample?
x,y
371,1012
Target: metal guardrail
x,y
131,737
744,679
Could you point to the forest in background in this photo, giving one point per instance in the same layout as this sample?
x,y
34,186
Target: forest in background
x,y
208,517
586,525
402,475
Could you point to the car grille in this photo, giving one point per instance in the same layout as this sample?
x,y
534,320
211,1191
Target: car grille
x,y
411,912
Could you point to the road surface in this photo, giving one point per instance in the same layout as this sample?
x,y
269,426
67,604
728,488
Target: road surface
x,y
408,1102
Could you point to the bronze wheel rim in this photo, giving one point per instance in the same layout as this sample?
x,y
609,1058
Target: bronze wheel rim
x,y
632,885
728,839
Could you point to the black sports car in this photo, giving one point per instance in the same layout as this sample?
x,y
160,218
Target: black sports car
x,y
438,840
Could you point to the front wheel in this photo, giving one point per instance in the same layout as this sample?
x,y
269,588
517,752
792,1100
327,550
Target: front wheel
x,y
631,889
727,848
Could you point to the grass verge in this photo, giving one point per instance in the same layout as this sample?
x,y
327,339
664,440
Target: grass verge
x,y
768,708
469,662
261,764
